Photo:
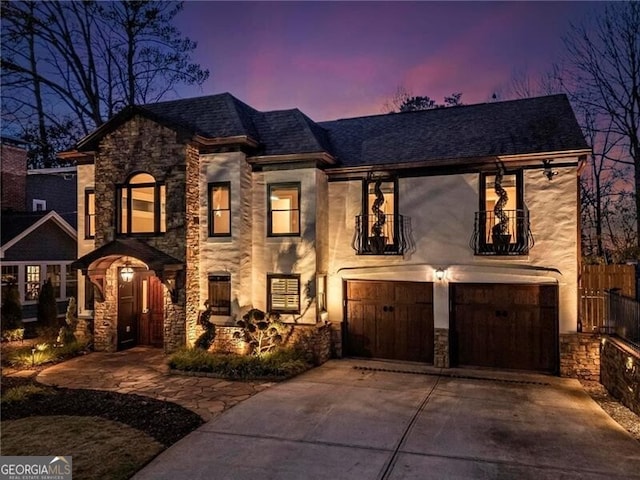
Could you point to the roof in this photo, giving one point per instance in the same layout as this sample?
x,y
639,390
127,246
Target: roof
x,y
155,259
527,126
534,125
17,225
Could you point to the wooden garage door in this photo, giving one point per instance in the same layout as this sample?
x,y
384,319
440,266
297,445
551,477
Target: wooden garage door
x,y
505,326
392,320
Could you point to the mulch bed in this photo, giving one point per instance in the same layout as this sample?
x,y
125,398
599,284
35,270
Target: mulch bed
x,y
164,421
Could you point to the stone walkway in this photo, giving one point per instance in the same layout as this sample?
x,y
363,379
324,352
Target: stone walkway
x,y
144,371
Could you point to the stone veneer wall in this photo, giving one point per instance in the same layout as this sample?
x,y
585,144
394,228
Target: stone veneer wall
x,y
580,356
620,372
315,339
192,239
441,348
141,145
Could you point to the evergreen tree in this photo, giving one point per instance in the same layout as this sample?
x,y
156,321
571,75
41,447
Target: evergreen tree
x,y
47,308
11,308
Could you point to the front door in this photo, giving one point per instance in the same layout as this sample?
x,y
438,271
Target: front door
x,y
140,311
150,331
127,313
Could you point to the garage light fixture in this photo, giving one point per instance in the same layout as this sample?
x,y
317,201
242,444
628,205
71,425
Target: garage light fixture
x,y
440,274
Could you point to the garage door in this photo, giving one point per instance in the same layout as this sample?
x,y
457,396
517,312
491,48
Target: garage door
x,y
392,320
505,326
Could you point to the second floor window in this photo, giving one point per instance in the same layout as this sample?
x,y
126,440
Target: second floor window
x,y
219,209
89,214
141,206
284,210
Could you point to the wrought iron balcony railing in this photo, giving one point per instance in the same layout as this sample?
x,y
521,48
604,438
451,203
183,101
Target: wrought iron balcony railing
x,y
380,235
511,236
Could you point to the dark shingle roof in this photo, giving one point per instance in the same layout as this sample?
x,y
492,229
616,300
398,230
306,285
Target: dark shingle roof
x,y
535,125
214,116
14,223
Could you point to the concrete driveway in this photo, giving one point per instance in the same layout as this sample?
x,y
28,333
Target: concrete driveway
x,y
401,421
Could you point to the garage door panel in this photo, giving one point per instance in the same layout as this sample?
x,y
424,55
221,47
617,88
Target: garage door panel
x,y
398,323
508,326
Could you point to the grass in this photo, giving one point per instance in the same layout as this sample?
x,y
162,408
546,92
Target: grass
x,y
21,393
99,448
278,365
42,353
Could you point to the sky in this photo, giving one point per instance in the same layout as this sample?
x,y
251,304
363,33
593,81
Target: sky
x,y
344,59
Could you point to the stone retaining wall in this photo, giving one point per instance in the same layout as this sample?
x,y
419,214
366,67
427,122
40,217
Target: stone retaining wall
x,y
580,356
620,372
315,339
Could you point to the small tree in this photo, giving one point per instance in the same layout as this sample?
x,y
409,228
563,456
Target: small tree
x,y
47,309
12,328
67,333
262,332
205,340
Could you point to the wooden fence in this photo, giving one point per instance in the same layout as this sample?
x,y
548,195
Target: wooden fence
x,y
594,281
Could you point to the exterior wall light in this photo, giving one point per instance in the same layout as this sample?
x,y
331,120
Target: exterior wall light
x,y
126,273
548,171
439,274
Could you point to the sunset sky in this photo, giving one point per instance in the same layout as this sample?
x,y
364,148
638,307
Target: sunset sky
x,y
342,59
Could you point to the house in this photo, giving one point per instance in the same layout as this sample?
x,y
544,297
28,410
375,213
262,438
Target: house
x,y
448,236
38,237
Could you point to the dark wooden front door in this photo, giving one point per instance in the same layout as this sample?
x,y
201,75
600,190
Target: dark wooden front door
x,y
140,311
392,320
127,314
505,326
150,331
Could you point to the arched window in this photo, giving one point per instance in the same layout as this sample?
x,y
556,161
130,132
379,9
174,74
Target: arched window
x,y
141,206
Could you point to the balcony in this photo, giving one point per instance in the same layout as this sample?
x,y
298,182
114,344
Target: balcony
x,y
380,235
513,238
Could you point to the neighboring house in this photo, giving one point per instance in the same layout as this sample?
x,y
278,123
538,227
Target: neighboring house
x,y
37,246
38,228
380,225
53,189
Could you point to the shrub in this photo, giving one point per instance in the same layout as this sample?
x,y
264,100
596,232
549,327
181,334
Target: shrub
x,y
43,353
48,310
11,310
21,393
277,365
10,335
205,340
262,332
66,333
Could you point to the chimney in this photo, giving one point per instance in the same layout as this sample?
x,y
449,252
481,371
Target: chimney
x,y
13,175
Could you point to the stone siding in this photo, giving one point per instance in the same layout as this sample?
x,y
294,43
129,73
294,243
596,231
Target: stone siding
x,y
620,373
580,356
141,145
441,348
315,339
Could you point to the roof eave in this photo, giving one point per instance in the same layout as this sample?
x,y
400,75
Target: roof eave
x,y
237,140
319,158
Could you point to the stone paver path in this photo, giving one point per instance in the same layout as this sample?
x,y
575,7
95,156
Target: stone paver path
x,y
144,371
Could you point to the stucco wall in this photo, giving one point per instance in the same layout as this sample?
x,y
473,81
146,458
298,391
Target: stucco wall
x,y
441,212
287,255
86,180
228,255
